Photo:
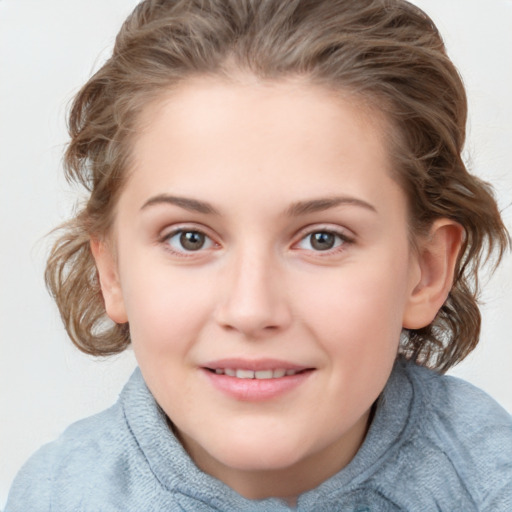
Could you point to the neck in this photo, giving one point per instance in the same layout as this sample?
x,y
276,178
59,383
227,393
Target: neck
x,y
289,482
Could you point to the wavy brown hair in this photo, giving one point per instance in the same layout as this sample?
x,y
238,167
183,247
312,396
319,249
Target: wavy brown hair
x,y
387,52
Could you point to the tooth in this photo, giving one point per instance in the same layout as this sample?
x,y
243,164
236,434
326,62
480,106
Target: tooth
x,y
291,372
279,373
244,374
230,372
263,374
219,371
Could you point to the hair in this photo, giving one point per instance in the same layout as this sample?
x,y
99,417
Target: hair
x,y
387,52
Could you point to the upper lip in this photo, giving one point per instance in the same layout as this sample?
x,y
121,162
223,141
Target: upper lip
x,y
253,364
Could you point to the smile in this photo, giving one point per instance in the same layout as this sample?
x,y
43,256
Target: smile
x,y
252,374
255,381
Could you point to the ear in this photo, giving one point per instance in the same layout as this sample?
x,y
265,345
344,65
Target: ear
x,y
436,259
109,280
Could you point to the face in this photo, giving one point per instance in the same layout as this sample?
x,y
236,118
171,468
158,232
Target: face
x,y
263,264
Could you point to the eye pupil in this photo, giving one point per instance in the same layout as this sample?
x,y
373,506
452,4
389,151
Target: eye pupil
x,y
322,241
192,240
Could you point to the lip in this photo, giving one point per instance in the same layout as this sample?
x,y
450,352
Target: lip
x,y
255,390
253,364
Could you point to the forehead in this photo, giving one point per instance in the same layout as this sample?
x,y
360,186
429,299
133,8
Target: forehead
x,y
250,104
282,136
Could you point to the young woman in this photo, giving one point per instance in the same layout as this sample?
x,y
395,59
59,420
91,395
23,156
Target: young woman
x,y
281,225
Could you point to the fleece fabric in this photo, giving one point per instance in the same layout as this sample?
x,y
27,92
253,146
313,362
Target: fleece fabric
x,y
436,443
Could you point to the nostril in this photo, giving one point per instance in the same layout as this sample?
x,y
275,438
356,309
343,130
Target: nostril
x,y
252,311
228,327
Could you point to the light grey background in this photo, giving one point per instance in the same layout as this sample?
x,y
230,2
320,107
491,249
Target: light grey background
x,y
47,51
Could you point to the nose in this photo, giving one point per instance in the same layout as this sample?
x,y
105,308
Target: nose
x,y
254,301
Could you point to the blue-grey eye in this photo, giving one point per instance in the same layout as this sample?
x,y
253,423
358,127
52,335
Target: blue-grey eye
x,y
189,241
321,241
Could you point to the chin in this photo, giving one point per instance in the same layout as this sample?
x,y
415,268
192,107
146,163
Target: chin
x,y
263,454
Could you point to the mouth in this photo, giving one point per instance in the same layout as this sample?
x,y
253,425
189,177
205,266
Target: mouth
x,y
240,373
256,380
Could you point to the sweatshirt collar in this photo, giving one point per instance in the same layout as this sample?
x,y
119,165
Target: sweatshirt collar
x,y
195,490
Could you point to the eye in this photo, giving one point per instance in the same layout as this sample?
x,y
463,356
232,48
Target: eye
x,y
322,241
188,241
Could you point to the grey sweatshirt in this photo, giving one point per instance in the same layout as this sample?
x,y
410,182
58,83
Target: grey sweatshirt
x,y
436,443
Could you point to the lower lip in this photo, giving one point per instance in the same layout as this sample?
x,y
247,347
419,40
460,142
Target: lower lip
x,y
256,390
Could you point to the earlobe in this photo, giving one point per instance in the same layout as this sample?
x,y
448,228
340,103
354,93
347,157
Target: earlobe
x,y
436,259
109,281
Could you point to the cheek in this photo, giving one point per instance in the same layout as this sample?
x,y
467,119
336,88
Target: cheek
x,y
165,307
357,312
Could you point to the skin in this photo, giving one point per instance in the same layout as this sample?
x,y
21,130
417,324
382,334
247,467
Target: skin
x,y
258,288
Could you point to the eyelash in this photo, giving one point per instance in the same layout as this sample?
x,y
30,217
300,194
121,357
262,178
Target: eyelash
x,y
341,241
183,252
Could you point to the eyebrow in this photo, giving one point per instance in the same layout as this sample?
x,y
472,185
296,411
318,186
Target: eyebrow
x,y
192,205
295,210
318,205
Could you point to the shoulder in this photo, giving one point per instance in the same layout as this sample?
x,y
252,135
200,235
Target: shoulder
x,y
457,404
96,464
82,449
470,432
